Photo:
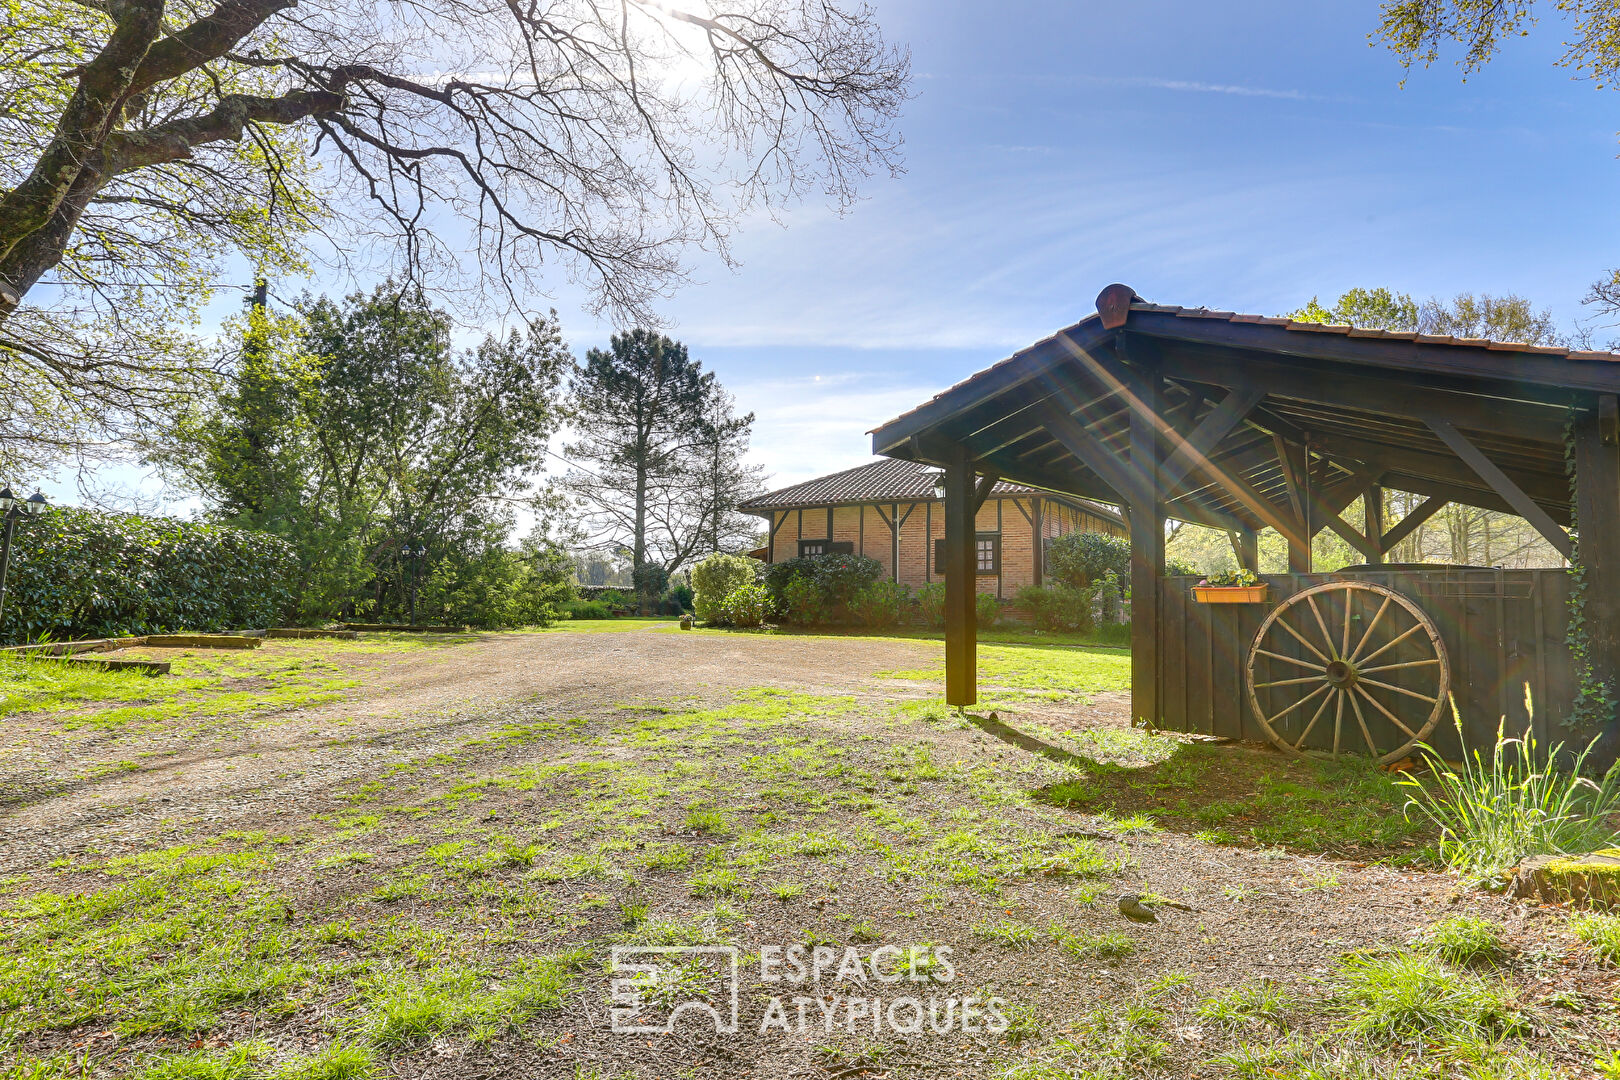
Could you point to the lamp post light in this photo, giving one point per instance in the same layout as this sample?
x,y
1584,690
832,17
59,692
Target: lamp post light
x,y
416,555
12,509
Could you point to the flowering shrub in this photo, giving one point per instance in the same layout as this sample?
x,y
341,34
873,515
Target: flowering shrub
x,y
1231,579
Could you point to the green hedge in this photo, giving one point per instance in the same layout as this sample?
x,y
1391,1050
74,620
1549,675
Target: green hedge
x,y
88,574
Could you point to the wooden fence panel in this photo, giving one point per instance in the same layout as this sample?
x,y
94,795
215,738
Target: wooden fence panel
x,y
1502,629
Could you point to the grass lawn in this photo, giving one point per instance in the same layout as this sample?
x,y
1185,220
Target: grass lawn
x,y
448,904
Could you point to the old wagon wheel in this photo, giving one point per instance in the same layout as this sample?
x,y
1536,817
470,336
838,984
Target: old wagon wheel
x,y
1355,654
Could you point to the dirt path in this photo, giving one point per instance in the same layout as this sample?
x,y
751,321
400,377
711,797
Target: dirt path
x,y
67,793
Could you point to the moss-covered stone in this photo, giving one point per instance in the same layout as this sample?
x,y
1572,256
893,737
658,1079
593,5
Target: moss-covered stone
x,y
1582,879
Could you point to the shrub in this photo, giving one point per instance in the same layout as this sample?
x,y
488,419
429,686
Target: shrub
x,y
1057,608
680,597
87,573
1083,558
987,609
1516,804
881,604
1109,595
716,578
800,601
839,578
777,575
747,605
650,581
931,604
587,609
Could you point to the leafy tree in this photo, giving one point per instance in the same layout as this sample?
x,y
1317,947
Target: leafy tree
x,y
1458,534
1419,31
658,459
145,145
389,460
1080,559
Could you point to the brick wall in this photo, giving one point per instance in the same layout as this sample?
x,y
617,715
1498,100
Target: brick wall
x,y
924,522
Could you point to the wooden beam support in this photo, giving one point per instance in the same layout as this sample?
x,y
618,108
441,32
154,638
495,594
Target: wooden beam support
x,y
1074,438
1294,462
1372,505
1514,495
1246,548
982,491
1597,509
961,630
1192,452
1147,543
1408,525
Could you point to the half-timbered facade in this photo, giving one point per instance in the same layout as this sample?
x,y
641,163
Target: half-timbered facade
x,y
890,511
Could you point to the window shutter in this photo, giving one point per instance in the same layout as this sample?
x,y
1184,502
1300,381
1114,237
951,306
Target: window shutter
x,y
939,556
841,547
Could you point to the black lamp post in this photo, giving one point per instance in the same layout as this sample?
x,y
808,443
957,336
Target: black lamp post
x,y
11,509
416,554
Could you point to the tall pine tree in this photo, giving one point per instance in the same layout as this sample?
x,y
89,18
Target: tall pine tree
x,y
658,459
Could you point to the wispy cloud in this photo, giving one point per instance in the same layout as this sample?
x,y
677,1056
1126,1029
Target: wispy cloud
x,y
1193,86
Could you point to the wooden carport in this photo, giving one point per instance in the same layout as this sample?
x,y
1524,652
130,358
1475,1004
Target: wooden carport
x,y
1241,422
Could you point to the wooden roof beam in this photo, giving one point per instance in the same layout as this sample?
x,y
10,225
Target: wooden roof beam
x,y
1512,493
1420,513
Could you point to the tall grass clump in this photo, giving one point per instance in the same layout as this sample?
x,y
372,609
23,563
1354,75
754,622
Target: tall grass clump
x,y
1518,802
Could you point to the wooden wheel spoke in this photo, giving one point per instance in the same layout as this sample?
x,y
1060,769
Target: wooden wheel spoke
x,y
1318,715
1301,639
1394,642
1372,748
1290,660
1288,682
1388,715
1349,605
1324,688
1367,633
1397,667
1400,690
1338,721
1334,662
1320,622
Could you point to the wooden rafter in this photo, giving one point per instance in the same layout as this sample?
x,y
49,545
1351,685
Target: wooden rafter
x,y
1512,493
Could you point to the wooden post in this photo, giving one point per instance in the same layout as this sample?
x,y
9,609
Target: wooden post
x,y
1147,547
1248,549
961,631
1372,500
1299,548
1038,535
1597,510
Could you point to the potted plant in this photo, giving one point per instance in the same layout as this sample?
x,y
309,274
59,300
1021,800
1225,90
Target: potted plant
x,y
1231,587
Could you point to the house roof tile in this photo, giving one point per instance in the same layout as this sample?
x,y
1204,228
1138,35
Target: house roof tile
x,y
884,480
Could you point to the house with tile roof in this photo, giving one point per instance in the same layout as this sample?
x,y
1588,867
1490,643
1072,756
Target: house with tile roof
x,y
891,511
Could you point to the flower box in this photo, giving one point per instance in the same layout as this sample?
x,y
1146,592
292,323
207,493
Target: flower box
x,y
1230,594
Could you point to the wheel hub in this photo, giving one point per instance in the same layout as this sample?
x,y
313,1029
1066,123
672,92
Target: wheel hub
x,y
1341,673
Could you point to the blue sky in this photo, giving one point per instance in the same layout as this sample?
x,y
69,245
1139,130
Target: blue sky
x,y
1242,155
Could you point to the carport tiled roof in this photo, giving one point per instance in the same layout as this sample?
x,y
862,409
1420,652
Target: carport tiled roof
x,y
1139,305
884,480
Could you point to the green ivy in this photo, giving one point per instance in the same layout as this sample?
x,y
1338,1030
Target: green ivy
x,y
87,574
1594,704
